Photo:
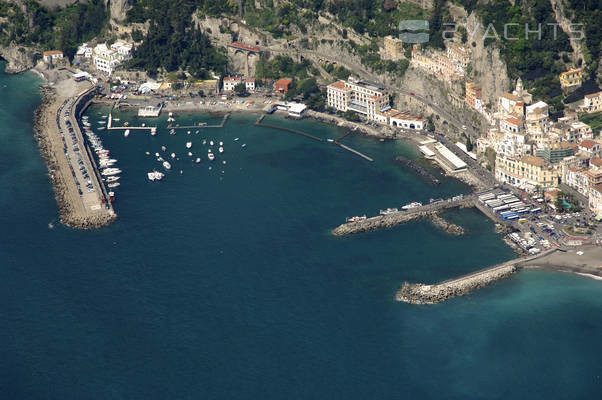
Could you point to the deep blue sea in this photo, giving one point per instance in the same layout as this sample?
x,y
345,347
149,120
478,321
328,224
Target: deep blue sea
x,y
228,285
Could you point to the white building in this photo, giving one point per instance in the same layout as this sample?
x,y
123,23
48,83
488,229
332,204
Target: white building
x,y
84,51
250,84
592,102
108,59
52,55
230,82
362,97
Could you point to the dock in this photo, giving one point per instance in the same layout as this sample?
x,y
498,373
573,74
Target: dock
x,y
353,150
295,131
220,125
402,216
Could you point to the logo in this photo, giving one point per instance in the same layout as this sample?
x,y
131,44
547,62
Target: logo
x,y
410,31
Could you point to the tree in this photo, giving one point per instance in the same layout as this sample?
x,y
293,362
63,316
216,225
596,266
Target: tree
x,y
240,89
351,116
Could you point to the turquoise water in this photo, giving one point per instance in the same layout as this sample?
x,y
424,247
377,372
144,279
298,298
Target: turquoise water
x,y
228,285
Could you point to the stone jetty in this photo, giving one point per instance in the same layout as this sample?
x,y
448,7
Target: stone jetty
x,y
418,169
417,293
402,216
446,226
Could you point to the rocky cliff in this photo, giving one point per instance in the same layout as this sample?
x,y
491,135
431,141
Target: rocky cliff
x,y
119,8
19,58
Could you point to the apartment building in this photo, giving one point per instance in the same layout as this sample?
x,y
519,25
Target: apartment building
x,y
526,172
571,78
365,98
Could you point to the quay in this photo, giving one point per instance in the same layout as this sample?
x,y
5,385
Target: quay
x,y
402,216
295,131
70,162
220,125
353,150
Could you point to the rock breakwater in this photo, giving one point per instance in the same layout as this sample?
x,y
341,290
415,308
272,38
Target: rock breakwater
x,y
417,293
418,169
446,226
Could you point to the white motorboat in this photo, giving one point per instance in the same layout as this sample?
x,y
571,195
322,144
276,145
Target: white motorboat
x,y
173,155
163,148
126,133
155,175
211,143
114,184
166,165
156,154
189,154
221,143
388,211
413,204
112,178
188,133
153,131
172,132
111,171
221,149
211,156
188,145
198,160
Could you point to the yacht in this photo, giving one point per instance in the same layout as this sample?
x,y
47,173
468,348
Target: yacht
x,y
155,175
413,204
111,171
388,211
356,218
112,179
114,184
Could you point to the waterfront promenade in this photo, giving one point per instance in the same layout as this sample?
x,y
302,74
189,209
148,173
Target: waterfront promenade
x,y
78,185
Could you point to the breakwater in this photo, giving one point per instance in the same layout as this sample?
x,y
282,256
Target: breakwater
x,y
418,293
400,217
418,169
446,226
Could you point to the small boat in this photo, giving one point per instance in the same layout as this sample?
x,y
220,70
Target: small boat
x,y
221,149
188,133
114,184
211,143
126,133
153,131
163,148
211,156
236,139
166,165
112,178
102,122
111,196
189,154
356,218
155,176
224,162
170,114
221,143
173,155
388,211
102,128
116,119
156,154
172,132
413,204
330,140
244,145
204,142
103,116
126,123
198,160
143,125
111,171
188,145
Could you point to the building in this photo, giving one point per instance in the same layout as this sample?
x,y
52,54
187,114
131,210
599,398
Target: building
x,y
296,110
460,56
108,59
571,78
512,125
595,199
510,104
592,103
474,95
52,55
365,98
577,178
393,48
84,51
590,148
407,121
282,85
250,84
527,172
556,152
230,82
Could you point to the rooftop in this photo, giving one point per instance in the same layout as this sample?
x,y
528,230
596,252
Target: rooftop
x,y
340,85
591,96
532,160
514,121
588,144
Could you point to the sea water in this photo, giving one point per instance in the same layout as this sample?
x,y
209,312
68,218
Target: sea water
x,y
225,283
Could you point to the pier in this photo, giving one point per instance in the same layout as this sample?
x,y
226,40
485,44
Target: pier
x,y
353,151
402,216
260,123
220,125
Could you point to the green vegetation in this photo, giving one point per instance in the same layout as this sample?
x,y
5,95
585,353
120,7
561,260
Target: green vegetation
x,y
241,89
338,72
589,12
370,57
278,20
537,62
567,202
63,29
281,66
593,120
172,42
351,116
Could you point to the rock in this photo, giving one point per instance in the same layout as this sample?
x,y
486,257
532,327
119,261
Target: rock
x,y
19,58
118,8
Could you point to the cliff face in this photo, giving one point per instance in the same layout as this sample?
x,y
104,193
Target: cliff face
x,y
19,58
119,8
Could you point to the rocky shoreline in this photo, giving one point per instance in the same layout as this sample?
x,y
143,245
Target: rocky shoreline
x,y
67,214
418,169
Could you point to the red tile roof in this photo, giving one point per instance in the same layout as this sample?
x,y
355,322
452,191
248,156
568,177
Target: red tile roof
x,y
588,144
597,161
514,121
338,85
